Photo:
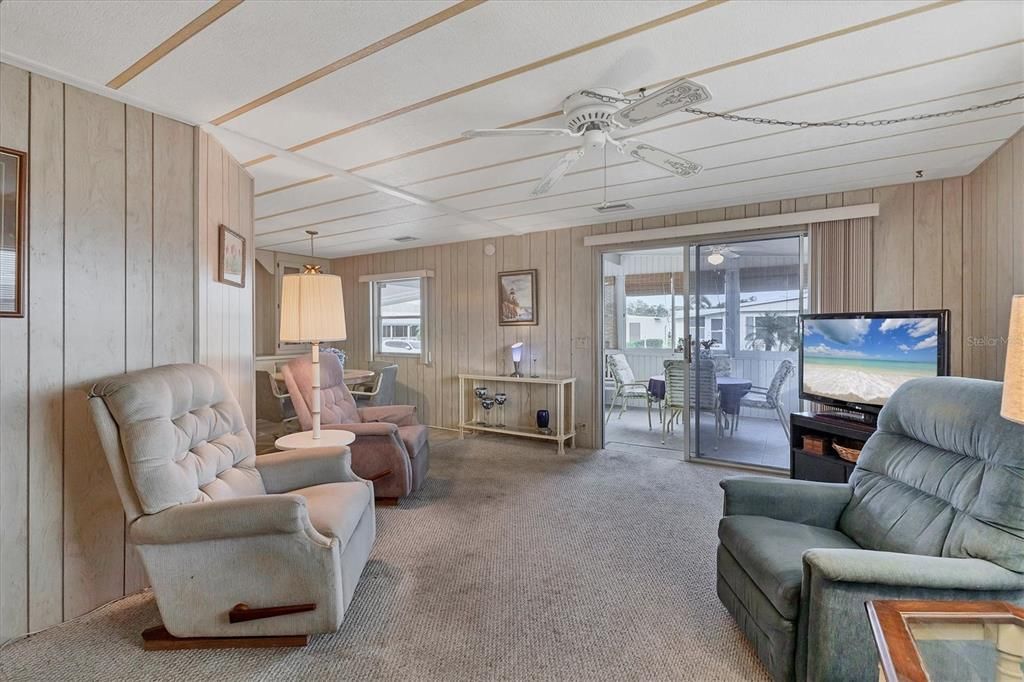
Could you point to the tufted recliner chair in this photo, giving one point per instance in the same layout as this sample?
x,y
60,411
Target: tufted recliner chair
x,y
215,525
391,447
934,510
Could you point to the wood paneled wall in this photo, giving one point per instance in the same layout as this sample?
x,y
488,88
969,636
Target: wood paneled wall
x,y
931,246
993,256
113,286
225,337
110,289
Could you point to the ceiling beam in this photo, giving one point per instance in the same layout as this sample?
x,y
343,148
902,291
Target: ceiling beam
x,y
223,134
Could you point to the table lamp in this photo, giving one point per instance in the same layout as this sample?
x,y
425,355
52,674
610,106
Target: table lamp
x,y
517,357
312,311
1013,381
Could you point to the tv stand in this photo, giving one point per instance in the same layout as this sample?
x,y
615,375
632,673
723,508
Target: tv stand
x,y
844,417
828,467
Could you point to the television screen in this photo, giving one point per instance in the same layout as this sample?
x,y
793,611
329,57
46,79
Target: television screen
x,y
860,359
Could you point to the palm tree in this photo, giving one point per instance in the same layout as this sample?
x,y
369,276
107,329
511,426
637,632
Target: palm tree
x,y
771,330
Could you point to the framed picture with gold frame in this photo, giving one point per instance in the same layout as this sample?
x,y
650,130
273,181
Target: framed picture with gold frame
x,y
13,226
517,298
231,258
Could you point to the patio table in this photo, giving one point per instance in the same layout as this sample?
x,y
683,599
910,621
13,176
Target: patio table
x,y
730,391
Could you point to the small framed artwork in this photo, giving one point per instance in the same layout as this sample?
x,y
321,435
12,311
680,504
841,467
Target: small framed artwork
x,y
232,258
517,298
13,209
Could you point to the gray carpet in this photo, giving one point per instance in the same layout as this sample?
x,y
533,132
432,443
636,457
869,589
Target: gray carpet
x,y
511,563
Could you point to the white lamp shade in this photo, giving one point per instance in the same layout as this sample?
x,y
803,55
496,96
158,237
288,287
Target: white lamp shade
x,y
312,308
1013,382
517,351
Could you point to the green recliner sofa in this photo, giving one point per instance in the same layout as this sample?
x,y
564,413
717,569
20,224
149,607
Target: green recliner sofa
x,y
933,510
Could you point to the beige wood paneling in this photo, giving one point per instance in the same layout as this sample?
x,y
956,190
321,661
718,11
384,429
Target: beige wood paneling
x,y
952,267
224,312
111,286
46,366
993,257
94,333
927,235
14,382
893,253
174,275
138,259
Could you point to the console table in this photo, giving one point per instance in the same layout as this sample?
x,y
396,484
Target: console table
x,y
561,430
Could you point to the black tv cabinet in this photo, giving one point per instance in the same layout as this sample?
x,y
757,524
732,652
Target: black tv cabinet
x,y
828,467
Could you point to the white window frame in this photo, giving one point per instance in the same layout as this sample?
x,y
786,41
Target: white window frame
x,y
374,281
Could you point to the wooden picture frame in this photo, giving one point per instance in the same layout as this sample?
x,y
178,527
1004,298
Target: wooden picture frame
x,y
517,298
231,258
13,228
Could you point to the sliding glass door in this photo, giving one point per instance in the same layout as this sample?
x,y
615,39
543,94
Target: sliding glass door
x,y
646,312
748,299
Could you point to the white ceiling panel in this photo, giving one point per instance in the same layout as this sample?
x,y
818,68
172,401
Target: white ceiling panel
x,y
698,46
758,57
93,40
490,39
260,46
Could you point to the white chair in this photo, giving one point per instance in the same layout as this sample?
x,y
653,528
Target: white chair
x,y
703,393
768,398
626,387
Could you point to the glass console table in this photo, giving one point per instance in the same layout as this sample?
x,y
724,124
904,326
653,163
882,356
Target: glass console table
x,y
940,641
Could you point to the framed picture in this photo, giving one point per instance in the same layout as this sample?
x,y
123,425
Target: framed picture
x,y
13,209
517,298
232,258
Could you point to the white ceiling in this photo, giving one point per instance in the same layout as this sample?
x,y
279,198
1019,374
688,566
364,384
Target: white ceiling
x,y
394,116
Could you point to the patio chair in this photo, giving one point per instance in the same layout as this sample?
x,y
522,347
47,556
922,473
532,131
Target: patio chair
x,y
626,387
767,398
381,391
703,393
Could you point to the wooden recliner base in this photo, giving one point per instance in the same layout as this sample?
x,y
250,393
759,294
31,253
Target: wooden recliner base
x,y
158,639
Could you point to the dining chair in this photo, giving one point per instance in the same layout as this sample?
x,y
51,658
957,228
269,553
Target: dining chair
x,y
703,393
380,391
626,387
769,397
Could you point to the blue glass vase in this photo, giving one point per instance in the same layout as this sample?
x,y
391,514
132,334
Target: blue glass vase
x,y
543,419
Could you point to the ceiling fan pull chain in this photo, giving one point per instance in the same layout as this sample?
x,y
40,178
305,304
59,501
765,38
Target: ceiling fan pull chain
x,y
760,120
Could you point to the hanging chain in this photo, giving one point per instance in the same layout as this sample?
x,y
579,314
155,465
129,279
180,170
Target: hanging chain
x,y
761,120
846,124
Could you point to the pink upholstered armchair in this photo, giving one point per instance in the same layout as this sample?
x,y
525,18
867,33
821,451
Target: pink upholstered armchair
x,y
391,446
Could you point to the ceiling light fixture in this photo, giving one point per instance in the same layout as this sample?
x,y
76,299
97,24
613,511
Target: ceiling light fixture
x,y
716,258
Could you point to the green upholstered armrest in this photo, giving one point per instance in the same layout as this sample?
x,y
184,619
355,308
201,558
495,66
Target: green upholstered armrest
x,y
238,517
807,502
910,570
290,470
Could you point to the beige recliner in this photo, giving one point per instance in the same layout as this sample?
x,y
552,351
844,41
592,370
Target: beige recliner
x,y
218,527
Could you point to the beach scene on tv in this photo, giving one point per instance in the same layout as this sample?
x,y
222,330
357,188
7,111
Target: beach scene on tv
x,y
865,360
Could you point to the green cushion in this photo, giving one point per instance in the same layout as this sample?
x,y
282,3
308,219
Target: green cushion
x,y
942,476
770,552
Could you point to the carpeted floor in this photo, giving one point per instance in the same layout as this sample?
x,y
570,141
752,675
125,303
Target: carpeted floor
x,y
511,563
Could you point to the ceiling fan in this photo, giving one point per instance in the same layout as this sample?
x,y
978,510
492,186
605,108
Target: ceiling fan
x,y
593,114
718,254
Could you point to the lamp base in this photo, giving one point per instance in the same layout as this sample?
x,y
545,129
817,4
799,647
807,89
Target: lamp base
x,y
515,372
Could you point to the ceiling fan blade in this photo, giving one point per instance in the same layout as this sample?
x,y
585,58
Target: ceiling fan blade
x,y
673,97
517,132
557,171
641,151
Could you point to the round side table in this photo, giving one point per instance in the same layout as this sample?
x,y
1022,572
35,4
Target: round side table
x,y
304,439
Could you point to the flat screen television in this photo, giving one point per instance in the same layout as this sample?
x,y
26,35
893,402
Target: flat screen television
x,y
855,361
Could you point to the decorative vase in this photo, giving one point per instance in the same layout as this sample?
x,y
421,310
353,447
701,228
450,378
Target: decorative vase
x,y
499,399
543,419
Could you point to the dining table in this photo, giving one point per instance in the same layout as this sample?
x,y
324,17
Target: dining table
x,y
352,376
730,392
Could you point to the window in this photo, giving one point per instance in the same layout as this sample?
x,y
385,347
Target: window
x,y
398,316
718,330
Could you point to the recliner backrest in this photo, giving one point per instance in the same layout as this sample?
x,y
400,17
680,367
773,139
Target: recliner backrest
x,y
180,438
337,406
942,476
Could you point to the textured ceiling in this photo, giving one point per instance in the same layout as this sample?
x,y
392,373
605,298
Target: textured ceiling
x,y
380,91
